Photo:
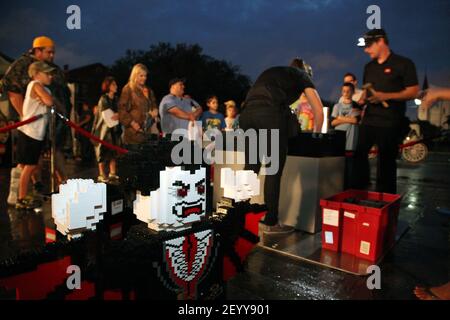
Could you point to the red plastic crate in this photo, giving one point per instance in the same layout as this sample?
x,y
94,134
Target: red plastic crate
x,y
366,232
331,225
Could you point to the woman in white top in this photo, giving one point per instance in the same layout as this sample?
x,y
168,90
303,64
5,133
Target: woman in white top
x,y
30,140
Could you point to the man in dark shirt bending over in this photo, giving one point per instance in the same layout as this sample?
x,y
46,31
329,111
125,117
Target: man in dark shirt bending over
x,y
394,81
267,107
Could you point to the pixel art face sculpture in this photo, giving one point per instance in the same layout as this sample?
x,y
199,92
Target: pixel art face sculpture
x,y
179,201
78,206
239,185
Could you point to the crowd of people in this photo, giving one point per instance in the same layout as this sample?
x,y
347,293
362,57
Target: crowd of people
x,y
127,116
34,85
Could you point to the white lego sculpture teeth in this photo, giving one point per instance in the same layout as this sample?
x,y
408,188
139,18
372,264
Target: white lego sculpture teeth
x,y
239,185
78,206
179,201
141,207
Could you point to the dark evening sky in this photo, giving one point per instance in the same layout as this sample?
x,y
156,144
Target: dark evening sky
x,y
253,34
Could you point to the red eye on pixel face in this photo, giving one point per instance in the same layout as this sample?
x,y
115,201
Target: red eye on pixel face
x,y
201,189
182,192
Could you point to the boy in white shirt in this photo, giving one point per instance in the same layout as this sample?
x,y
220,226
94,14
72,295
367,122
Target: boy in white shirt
x,y
345,117
30,137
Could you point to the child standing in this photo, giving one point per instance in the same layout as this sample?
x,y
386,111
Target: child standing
x,y
213,119
30,137
232,119
345,117
304,113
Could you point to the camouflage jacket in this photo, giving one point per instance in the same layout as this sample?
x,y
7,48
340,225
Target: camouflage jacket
x,y
16,77
16,80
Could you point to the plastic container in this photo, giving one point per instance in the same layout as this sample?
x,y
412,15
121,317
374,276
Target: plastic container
x,y
365,231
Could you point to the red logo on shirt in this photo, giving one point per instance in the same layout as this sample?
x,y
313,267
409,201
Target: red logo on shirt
x,y
388,71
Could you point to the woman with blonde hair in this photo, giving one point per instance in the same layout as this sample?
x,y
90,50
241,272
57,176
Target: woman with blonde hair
x,y
138,111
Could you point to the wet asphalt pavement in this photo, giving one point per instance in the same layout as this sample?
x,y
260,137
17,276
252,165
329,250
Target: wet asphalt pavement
x,y
421,257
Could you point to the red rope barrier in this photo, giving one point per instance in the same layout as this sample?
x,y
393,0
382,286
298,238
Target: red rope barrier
x,y
21,123
122,150
92,137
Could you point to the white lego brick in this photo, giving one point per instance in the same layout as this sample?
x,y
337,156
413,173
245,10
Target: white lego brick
x,y
155,204
141,207
249,182
239,185
79,206
226,178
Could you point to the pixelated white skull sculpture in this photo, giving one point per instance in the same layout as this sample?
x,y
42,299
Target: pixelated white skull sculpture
x,y
78,206
239,185
179,201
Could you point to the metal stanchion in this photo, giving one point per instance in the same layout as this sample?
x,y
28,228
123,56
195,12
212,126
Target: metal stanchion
x,y
13,143
52,150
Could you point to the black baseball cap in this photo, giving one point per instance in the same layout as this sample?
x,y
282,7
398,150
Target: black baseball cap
x,y
176,80
371,36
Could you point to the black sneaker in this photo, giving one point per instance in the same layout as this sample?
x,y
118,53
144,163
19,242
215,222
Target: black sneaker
x,y
28,204
113,177
103,179
21,204
278,229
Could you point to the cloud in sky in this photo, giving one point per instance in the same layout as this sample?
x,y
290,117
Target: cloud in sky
x,y
327,61
67,53
12,34
253,34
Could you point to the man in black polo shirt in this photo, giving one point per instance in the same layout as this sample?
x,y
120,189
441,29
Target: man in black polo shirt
x,y
394,81
267,107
